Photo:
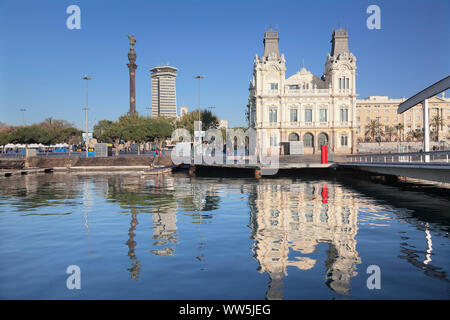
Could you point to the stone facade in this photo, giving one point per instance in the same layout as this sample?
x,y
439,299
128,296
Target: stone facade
x,y
304,107
384,109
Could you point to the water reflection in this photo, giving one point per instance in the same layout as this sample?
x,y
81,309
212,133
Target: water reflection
x,y
289,221
131,243
296,225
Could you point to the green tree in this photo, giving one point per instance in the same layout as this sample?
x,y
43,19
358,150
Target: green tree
x,y
135,128
30,134
389,131
374,129
209,120
114,134
71,136
417,134
414,135
399,127
55,129
436,123
100,129
4,139
161,129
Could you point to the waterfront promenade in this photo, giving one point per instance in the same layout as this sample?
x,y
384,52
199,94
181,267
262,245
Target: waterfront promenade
x,y
432,166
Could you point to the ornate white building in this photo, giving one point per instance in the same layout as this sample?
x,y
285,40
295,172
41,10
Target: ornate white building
x,y
304,107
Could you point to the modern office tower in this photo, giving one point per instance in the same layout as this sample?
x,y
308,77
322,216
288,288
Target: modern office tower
x,y
164,98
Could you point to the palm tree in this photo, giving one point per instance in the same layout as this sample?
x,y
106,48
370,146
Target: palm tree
x,y
389,132
410,135
437,122
417,134
400,127
374,129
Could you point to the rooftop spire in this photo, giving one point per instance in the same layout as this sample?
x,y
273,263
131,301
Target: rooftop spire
x,y
339,42
271,43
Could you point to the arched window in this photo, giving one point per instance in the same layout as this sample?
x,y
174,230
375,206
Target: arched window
x,y
344,140
294,137
323,139
308,140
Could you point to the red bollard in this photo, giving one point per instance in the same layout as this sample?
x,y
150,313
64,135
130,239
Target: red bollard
x,y
324,154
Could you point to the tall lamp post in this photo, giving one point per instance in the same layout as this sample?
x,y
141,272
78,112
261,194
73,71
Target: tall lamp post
x,y
87,109
23,115
199,78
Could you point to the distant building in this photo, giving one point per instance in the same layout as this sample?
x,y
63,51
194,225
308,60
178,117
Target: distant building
x,y
164,97
384,109
183,110
223,124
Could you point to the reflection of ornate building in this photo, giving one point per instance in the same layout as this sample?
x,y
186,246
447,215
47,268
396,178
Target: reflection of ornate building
x,y
297,218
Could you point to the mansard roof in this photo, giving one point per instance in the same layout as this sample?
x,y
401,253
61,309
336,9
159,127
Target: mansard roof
x,y
303,75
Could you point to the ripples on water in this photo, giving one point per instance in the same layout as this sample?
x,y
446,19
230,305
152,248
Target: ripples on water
x,y
176,237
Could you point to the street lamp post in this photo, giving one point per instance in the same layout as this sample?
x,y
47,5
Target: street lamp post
x,y
86,116
199,77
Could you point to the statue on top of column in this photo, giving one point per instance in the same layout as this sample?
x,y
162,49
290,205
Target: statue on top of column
x,y
132,40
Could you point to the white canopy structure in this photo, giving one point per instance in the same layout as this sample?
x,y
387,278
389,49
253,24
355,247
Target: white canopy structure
x,y
421,97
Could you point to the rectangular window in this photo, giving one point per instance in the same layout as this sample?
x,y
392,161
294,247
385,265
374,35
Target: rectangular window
x,y
293,115
272,115
323,115
273,140
293,87
344,115
358,119
340,83
308,115
346,83
274,86
344,141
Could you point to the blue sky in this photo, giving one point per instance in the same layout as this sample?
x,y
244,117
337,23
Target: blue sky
x,y
42,62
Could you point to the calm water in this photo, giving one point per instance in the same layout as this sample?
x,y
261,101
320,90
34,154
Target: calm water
x,y
176,237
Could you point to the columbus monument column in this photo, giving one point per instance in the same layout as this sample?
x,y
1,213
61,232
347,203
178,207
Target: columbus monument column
x,y
132,67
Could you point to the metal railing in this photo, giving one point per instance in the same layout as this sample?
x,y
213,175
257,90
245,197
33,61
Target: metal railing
x,y
410,157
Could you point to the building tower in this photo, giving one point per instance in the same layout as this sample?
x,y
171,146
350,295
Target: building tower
x,y
340,77
183,110
132,68
164,98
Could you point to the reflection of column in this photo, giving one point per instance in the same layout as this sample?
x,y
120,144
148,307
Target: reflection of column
x,y
135,265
